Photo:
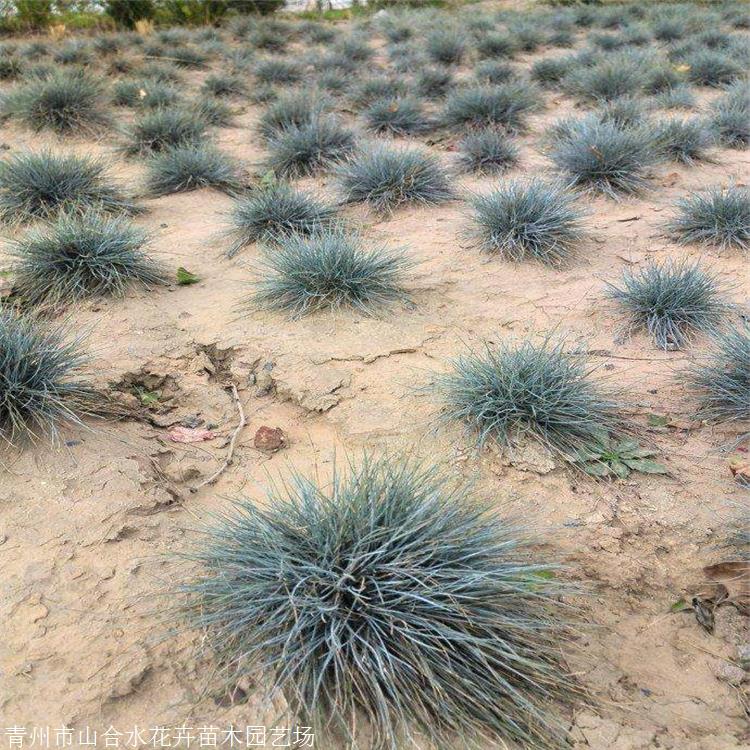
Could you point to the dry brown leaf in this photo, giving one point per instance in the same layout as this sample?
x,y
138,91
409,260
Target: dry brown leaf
x,y
704,613
734,575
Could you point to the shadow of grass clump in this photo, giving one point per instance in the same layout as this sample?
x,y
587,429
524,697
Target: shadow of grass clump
x,y
527,220
330,269
722,382
276,211
41,386
66,103
387,604
672,301
717,216
82,256
506,392
42,185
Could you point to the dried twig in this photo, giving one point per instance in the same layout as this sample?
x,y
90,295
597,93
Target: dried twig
x,y
230,453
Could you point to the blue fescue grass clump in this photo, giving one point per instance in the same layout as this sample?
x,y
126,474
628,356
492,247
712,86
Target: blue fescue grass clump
x,y
212,111
561,37
730,117
333,82
160,71
184,56
625,112
610,78
158,95
275,211
532,220
433,83
10,67
329,269
715,39
224,84
404,58
127,93
387,603
184,168
507,392
41,385
355,47
446,46
487,151
396,30
686,141
65,103
717,217
148,94
722,381
668,29
35,50
41,185
526,35
660,76
388,177
494,71
82,256
496,44
240,59
671,301
336,62
679,97
549,71
318,33
75,52
506,105
275,71
377,87
400,116
288,111
604,157
713,68
270,38
163,129
301,150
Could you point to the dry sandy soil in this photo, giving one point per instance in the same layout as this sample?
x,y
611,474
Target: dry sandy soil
x,y
84,526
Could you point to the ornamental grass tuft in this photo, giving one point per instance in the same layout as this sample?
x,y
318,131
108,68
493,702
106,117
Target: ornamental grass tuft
x,y
386,604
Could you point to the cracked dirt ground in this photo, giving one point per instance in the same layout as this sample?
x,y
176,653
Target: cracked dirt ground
x,y
84,526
